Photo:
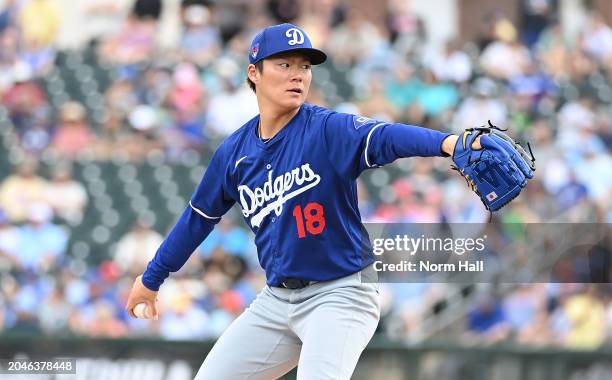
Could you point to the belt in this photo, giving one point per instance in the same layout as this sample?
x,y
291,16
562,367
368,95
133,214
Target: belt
x,y
296,283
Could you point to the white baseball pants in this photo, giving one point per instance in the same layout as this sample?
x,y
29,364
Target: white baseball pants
x,y
322,328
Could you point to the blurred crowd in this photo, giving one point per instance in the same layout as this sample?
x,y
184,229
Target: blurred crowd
x,y
548,88
578,316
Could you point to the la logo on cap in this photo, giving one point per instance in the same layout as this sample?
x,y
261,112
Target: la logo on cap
x,y
295,35
255,50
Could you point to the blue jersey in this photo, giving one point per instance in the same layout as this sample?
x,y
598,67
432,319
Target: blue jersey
x,y
297,192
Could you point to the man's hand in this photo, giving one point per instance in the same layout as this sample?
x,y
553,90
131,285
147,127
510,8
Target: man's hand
x,y
449,143
141,293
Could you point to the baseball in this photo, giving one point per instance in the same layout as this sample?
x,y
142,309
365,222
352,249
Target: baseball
x,y
142,311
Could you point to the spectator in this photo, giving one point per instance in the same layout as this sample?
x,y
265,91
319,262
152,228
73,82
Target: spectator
x,y
136,248
354,38
147,9
453,65
554,51
36,136
154,87
586,315
536,15
200,42
147,121
77,292
577,115
283,10
42,244
487,320
460,205
405,29
538,332
24,98
532,86
183,320
186,99
522,305
187,91
232,103
20,190
483,105
134,42
571,193
597,39
73,135
26,306
66,196
9,15
9,56
594,172
505,57
582,65
437,98
104,322
114,138
121,96
54,312
39,57
402,89
9,243
39,22
103,17
230,238
375,104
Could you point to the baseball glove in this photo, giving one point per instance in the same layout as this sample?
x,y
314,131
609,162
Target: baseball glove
x,y
499,170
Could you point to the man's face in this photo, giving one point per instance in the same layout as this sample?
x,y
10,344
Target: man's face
x,y
285,80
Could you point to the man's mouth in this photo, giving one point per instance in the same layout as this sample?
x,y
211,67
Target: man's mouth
x,y
295,90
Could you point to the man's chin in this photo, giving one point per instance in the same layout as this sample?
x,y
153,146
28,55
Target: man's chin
x,y
291,104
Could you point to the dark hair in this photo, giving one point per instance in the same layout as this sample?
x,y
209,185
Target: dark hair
x,y
259,67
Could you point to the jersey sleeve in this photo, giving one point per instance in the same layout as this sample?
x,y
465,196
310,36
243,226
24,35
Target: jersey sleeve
x,y
356,143
208,203
211,199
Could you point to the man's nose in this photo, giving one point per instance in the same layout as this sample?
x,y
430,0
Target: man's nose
x,y
297,76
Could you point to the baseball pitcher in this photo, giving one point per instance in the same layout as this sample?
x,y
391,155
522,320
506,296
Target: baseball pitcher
x,y
293,170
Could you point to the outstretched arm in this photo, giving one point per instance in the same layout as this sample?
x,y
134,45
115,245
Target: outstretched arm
x,y
356,143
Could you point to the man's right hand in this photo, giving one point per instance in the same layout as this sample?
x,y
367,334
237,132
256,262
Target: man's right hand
x,y
141,294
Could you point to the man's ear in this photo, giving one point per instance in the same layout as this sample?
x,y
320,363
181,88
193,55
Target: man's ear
x,y
253,74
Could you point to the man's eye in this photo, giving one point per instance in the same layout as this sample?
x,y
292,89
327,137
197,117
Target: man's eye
x,y
284,65
306,67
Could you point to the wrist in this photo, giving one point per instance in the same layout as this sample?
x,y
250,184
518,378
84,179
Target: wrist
x,y
448,145
148,283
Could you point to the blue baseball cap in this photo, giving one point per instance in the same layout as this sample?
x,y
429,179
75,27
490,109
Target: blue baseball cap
x,y
280,39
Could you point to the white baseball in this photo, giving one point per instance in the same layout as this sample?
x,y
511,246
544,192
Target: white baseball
x,y
142,311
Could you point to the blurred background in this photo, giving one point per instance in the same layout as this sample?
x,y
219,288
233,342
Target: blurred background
x,y
110,110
